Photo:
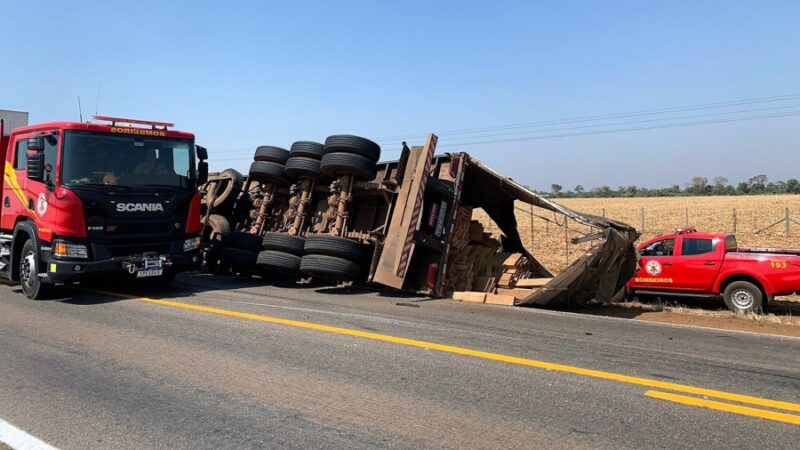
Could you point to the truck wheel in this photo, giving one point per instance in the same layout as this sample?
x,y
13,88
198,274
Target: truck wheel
x,y
353,144
335,164
278,263
217,226
307,149
233,182
32,285
743,296
244,241
269,153
235,177
301,166
324,244
236,257
268,171
284,242
329,267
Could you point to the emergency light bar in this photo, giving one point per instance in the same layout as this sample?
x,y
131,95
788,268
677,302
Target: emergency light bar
x,y
117,120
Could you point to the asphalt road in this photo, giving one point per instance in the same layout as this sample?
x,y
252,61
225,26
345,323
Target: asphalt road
x,y
236,364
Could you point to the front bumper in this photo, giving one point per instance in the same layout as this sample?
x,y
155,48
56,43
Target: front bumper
x,y
72,270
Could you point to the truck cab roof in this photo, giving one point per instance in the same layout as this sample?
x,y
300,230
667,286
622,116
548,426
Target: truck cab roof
x,y
105,128
681,233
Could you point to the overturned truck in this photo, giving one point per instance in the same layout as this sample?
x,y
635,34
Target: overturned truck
x,y
333,212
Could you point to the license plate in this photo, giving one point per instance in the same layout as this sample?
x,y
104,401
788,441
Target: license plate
x,y
142,273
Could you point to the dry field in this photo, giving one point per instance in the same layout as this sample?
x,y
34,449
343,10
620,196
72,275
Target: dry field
x,y
546,239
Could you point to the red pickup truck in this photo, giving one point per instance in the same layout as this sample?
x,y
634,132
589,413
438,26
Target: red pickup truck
x,y
688,263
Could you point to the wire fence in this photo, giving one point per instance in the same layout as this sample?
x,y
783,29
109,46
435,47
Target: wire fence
x,y
549,235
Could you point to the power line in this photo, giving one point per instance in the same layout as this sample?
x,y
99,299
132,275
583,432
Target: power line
x,y
588,119
660,119
624,130
580,119
594,132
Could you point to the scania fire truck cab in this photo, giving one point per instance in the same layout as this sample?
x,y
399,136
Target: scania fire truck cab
x,y
91,200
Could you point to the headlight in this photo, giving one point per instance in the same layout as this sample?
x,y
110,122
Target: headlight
x,y
191,244
63,249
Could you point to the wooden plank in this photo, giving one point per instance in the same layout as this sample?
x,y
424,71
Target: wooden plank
x,y
505,280
533,282
512,261
518,293
499,299
470,296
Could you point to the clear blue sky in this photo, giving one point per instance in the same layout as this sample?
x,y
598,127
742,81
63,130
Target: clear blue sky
x,y
242,74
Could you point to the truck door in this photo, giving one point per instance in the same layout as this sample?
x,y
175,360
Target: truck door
x,y
15,201
657,266
697,264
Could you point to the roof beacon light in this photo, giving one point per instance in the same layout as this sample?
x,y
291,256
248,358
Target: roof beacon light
x,y
116,121
685,230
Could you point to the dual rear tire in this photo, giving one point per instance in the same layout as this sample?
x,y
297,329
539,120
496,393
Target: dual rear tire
x,y
333,258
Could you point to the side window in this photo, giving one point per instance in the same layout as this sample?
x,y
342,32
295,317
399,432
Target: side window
x,y
695,246
19,154
730,243
664,247
51,152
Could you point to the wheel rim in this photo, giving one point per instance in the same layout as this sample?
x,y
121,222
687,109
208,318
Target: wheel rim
x,y
742,299
27,270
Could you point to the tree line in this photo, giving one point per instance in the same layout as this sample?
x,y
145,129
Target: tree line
x,y
756,185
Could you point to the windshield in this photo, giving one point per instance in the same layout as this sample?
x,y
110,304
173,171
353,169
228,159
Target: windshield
x,y
99,158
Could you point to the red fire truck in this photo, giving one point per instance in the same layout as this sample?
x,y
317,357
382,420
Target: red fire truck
x,y
90,200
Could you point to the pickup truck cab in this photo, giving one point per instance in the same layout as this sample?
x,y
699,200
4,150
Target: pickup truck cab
x,y
688,263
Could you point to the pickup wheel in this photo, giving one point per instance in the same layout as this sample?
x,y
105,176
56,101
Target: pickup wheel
x,y
743,296
32,285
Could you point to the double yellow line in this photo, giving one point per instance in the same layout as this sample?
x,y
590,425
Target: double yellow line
x,y
675,387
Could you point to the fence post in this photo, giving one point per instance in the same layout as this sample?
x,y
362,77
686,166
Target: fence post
x,y
642,219
566,239
687,217
734,220
604,213
532,233
786,217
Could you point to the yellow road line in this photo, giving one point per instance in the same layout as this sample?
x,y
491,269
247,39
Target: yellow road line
x,y
477,354
727,407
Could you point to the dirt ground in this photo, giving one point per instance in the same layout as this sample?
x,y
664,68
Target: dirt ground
x,y
782,318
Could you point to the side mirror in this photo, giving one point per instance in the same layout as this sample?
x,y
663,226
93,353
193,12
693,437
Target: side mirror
x,y
202,173
202,152
35,164
36,143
